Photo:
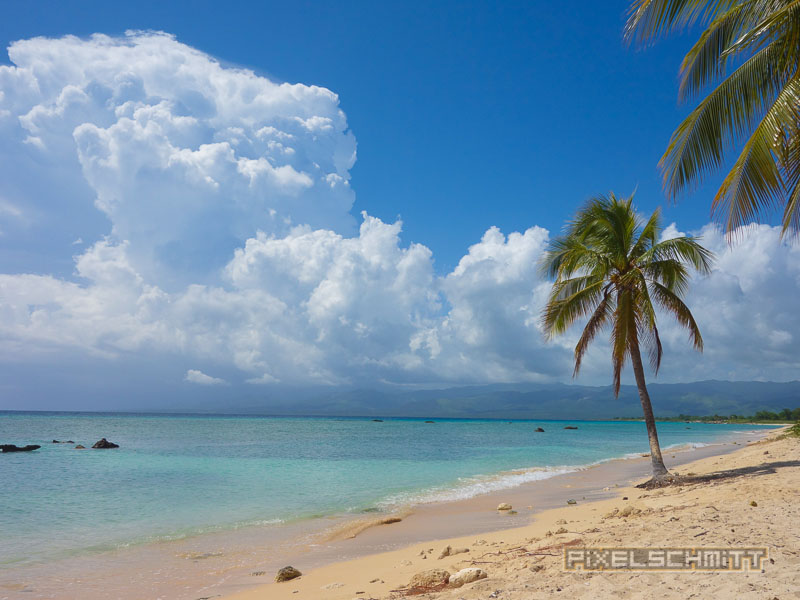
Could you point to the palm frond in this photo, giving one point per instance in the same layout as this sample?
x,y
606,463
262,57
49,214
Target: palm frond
x,y
561,312
791,214
767,20
568,255
648,236
753,106
670,302
725,115
707,59
646,321
648,19
682,249
598,320
755,182
654,349
672,274
787,151
624,327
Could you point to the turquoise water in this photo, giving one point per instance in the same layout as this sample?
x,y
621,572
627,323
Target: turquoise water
x,y
176,476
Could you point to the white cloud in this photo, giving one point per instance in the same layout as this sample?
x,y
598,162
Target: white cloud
x,y
315,306
185,157
195,376
746,309
8,209
490,331
10,216
264,379
229,242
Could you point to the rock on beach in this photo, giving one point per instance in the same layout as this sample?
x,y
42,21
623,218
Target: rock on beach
x,y
287,574
467,575
450,551
430,578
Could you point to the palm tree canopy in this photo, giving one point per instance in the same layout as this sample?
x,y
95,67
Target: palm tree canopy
x,y
748,58
611,267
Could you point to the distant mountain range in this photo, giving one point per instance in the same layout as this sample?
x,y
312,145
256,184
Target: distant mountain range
x,y
530,401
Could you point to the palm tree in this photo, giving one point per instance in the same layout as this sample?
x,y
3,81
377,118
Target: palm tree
x,y
611,267
750,52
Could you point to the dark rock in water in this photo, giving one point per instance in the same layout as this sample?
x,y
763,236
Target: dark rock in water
x,y
69,442
570,427
430,421
104,443
13,448
377,420
56,442
287,573
539,430
79,447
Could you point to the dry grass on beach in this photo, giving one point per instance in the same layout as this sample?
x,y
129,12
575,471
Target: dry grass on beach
x,y
747,498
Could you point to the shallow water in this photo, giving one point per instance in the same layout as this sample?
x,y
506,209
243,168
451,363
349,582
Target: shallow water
x,y
179,476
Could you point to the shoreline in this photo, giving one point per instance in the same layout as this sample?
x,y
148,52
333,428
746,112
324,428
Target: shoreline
x,y
217,564
476,515
384,574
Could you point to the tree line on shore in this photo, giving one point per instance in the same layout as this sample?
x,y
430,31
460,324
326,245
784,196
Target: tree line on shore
x,y
787,415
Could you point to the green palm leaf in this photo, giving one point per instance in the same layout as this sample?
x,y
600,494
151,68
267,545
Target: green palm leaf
x,y
610,269
755,181
707,59
725,115
755,105
651,18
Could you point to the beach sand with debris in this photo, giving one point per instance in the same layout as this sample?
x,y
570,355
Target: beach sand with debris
x,y
746,498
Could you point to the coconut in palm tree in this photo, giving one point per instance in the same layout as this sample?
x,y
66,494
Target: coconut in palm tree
x,y
611,267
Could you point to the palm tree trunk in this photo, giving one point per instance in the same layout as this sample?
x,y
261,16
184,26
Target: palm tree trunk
x,y
659,470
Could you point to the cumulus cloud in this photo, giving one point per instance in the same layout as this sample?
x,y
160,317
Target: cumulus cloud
x,y
195,376
184,157
227,239
747,308
312,306
491,330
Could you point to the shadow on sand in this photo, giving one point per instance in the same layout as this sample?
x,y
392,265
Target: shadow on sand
x,y
766,468
671,479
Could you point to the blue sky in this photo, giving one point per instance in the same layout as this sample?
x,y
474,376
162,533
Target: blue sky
x,y
466,113
334,193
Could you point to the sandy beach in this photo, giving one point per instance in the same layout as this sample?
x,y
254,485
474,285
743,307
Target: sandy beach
x,y
225,561
743,498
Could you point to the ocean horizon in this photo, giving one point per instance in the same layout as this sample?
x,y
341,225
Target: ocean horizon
x,y
178,476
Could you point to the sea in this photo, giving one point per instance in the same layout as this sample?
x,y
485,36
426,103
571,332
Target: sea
x,y
178,476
